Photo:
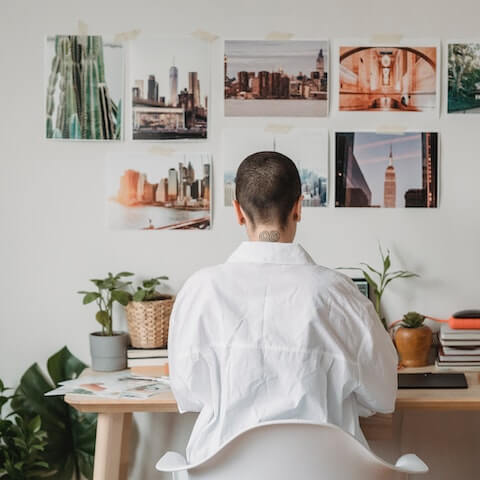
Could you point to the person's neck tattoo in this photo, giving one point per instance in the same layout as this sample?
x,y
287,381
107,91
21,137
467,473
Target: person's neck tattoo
x,y
269,236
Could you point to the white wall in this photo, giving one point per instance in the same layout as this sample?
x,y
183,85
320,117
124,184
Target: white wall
x,y
51,212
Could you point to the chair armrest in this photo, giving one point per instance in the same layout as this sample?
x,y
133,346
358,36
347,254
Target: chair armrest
x,y
410,463
172,462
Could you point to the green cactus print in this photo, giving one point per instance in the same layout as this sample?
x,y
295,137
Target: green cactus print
x,y
84,108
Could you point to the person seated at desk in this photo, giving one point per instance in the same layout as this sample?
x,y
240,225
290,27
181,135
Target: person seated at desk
x,y
270,335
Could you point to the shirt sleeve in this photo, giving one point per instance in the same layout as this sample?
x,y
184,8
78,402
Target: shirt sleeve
x,y
377,368
188,372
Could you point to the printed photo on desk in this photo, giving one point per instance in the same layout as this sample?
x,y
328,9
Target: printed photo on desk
x,y
265,78
464,78
147,191
307,147
384,170
397,78
170,83
83,87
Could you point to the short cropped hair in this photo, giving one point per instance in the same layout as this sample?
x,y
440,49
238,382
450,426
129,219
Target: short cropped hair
x,y
267,185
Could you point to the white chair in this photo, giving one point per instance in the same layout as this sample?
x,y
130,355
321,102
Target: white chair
x,y
293,450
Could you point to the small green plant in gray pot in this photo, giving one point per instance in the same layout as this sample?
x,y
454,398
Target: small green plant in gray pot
x,y
107,347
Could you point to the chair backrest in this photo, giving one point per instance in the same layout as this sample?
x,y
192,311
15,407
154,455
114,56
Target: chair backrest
x,y
295,450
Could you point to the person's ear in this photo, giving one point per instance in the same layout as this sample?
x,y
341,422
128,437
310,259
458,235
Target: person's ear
x,y
297,209
241,219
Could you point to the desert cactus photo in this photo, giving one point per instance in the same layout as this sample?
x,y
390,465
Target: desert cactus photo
x,y
79,103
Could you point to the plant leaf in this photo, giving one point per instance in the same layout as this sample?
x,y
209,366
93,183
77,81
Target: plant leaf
x,y
371,282
121,296
139,295
102,318
90,297
124,274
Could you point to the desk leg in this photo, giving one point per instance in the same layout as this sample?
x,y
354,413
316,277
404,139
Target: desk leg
x,y
111,447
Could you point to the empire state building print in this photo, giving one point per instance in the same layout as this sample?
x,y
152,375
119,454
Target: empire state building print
x,y
390,185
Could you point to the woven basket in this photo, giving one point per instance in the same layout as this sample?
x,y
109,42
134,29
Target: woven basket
x,y
148,322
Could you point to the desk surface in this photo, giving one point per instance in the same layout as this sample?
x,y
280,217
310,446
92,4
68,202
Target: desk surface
x,y
467,399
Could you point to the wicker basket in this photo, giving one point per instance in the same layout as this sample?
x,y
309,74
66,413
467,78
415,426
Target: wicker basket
x,y
148,322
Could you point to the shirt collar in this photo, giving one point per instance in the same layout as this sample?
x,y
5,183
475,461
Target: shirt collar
x,y
271,252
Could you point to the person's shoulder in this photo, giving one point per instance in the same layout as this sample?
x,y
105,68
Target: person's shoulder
x,y
204,277
329,278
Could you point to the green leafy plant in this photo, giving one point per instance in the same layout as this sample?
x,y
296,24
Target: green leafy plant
x,y
21,444
412,320
147,291
70,449
385,277
109,290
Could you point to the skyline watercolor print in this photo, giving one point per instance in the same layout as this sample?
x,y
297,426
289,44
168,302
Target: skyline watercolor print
x,y
463,78
265,78
169,82
306,147
147,191
386,171
84,87
398,78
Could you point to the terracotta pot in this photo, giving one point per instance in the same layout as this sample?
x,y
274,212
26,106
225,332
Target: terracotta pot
x,y
413,345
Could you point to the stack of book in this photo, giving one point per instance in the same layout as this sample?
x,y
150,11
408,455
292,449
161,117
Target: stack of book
x,y
148,361
459,349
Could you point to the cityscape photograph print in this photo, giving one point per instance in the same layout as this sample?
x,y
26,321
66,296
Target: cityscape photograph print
x,y
397,79
84,88
306,147
147,191
266,78
464,78
384,170
170,82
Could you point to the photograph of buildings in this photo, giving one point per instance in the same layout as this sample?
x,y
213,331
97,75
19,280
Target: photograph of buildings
x,y
84,88
380,170
169,81
464,78
399,79
276,78
148,191
307,147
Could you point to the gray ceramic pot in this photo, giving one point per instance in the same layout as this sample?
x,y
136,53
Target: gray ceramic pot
x,y
109,353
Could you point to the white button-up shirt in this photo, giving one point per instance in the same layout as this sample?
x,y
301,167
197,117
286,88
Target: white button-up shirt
x,y
270,335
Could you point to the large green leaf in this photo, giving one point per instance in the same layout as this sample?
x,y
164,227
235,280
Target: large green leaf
x,y
71,434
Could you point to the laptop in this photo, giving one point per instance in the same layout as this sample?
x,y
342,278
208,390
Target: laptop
x,y
432,380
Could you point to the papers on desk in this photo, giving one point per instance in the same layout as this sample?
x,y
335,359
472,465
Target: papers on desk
x,y
459,349
113,385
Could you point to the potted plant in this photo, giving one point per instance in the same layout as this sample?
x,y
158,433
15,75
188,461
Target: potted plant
x,y
107,347
385,276
148,315
413,340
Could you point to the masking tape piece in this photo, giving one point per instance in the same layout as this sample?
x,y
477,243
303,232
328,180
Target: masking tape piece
x,y
391,129
279,36
82,28
126,36
204,35
277,128
162,150
386,38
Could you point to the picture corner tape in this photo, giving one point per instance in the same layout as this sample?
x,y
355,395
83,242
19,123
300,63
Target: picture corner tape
x,y
391,129
386,38
161,150
278,128
82,28
279,36
126,36
204,35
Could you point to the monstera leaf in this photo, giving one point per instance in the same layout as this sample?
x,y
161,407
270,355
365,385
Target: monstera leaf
x,y
70,434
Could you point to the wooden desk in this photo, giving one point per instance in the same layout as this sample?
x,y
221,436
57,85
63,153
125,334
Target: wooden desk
x,y
115,417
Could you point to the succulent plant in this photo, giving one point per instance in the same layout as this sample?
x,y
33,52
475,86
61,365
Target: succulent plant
x,y
412,320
